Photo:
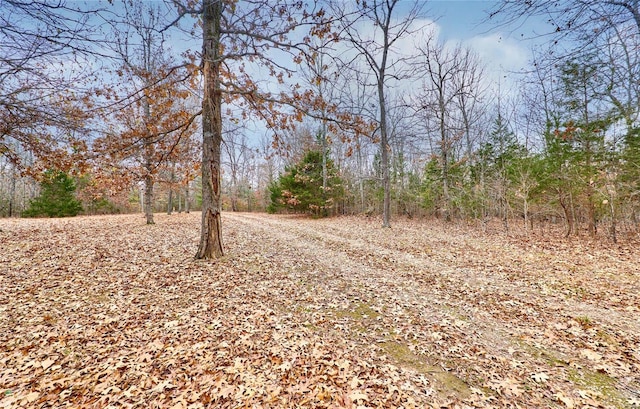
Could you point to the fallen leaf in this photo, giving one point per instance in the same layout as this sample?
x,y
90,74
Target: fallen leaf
x,y
590,354
358,395
568,402
31,397
540,377
47,363
307,312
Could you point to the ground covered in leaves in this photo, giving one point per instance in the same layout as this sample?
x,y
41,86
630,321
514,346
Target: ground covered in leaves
x,y
108,312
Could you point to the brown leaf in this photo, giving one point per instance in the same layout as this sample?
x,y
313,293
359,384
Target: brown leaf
x,y
32,397
540,377
47,363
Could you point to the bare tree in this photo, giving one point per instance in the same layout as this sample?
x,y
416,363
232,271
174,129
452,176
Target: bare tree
x,y
45,47
470,101
237,159
608,29
152,109
356,96
451,81
321,79
576,19
376,50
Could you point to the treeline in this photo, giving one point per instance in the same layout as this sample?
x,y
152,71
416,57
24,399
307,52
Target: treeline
x,y
558,152
376,115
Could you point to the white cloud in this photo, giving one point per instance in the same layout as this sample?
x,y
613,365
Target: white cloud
x,y
501,55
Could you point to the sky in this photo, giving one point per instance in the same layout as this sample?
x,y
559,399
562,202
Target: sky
x,y
460,19
505,50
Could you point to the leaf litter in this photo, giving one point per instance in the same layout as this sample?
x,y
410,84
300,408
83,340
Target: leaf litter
x,y
339,313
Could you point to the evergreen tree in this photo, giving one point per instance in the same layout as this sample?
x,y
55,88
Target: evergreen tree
x,y
496,171
301,189
57,197
431,195
584,135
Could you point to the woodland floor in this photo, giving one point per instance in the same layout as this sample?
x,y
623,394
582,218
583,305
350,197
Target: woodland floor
x,y
108,312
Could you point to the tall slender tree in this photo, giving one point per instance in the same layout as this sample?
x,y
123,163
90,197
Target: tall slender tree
x,y
153,113
446,89
376,50
585,129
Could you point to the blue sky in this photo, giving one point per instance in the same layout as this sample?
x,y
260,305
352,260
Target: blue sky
x,y
460,19
503,49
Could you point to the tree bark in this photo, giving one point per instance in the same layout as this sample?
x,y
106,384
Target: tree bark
x,y
384,137
525,205
12,193
148,167
170,199
614,231
187,203
567,214
211,230
148,198
323,132
445,170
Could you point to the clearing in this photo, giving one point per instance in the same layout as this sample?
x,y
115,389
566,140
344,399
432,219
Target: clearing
x,y
108,312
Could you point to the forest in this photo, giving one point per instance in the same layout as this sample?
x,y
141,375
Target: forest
x,y
113,95
387,220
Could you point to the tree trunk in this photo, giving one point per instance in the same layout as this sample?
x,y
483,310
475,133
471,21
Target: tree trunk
x,y
323,132
171,182
568,215
211,230
505,213
526,215
445,184
384,154
445,160
593,224
363,207
234,194
187,199
614,235
575,220
148,198
12,193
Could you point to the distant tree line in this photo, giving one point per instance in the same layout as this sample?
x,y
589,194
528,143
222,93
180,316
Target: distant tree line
x,y
350,126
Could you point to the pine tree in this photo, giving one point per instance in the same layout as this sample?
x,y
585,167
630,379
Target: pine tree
x,y
301,188
497,171
57,197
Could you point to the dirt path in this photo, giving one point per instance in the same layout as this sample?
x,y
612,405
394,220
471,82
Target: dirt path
x,y
312,313
497,316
